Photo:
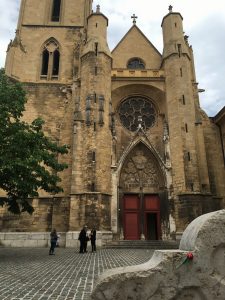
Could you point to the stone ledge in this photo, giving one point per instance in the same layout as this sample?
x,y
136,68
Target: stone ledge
x,y
102,237
28,239
42,239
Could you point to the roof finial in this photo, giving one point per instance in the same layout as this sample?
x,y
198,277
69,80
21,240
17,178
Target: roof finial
x,y
98,9
134,18
170,8
186,38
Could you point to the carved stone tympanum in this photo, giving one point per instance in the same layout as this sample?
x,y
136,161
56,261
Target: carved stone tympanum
x,y
140,170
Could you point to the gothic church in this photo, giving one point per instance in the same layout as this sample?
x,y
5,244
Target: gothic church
x,y
144,158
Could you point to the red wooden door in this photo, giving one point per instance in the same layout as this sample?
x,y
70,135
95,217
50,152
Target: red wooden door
x,y
152,203
131,227
131,216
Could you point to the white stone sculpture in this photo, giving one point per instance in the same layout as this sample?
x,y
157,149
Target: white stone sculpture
x,y
194,272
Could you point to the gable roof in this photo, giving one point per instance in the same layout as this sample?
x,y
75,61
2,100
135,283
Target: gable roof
x,y
143,35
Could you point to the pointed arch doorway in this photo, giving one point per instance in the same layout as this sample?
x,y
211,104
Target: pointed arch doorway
x,y
141,181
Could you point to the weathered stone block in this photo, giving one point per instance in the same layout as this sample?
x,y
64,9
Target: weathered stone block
x,y
195,271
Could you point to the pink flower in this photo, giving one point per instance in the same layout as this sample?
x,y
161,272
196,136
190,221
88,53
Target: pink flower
x,y
190,255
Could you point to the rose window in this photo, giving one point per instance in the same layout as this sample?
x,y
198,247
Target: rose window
x,y
134,109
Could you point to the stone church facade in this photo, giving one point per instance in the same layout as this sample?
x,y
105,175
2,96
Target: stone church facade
x,y
144,158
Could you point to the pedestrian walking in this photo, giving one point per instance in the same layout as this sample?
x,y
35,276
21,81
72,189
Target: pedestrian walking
x,y
93,239
83,239
54,238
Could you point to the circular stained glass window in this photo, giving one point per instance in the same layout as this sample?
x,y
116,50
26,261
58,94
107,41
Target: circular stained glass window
x,y
131,109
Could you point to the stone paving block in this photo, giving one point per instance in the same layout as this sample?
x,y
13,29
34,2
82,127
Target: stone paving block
x,y
31,274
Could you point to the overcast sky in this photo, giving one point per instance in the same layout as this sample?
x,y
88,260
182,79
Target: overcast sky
x,y
204,23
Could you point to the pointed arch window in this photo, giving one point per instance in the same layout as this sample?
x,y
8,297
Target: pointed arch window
x,y
56,57
50,60
45,60
56,7
135,63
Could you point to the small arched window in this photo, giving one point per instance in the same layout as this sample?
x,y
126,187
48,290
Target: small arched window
x,y
135,63
56,6
50,60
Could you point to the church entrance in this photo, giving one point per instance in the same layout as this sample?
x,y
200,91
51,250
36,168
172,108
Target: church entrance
x,y
141,182
141,215
152,217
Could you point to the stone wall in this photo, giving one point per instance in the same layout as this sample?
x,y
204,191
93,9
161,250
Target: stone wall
x,y
191,206
55,107
48,213
91,209
215,159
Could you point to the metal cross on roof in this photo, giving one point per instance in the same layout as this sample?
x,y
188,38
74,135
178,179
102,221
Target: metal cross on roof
x,y
134,18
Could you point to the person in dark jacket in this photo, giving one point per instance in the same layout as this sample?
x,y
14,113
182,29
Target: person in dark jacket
x,y
93,239
83,240
54,238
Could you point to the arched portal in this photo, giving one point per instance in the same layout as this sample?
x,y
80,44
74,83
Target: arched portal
x,y
141,183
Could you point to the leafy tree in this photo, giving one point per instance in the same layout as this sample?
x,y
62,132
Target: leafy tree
x,y
28,158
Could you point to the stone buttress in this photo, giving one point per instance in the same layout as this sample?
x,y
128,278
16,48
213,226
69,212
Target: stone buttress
x,y
91,167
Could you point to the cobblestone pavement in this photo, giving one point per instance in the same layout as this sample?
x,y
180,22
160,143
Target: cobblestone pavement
x,y
30,273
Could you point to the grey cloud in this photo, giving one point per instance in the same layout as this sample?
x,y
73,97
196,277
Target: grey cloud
x,y
9,11
208,40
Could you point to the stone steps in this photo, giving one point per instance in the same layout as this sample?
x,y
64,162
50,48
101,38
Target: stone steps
x,y
139,244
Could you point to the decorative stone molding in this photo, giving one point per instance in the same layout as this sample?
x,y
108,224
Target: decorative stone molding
x,y
17,42
67,91
195,271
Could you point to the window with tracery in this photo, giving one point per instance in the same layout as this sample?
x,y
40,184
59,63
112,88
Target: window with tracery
x,y
136,63
50,60
134,109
